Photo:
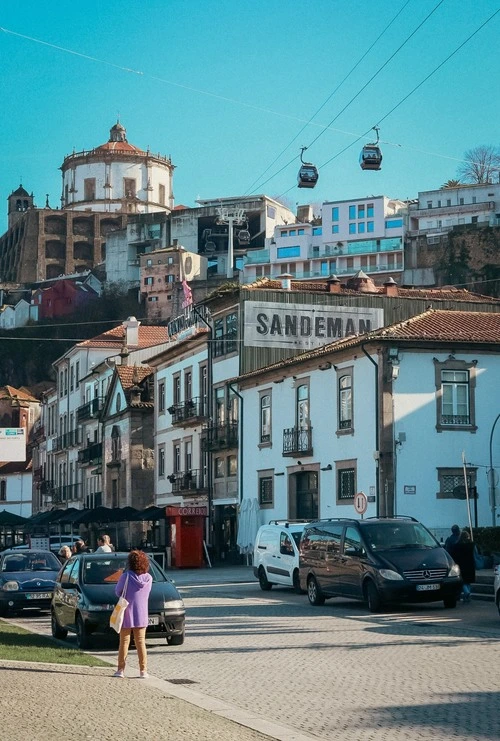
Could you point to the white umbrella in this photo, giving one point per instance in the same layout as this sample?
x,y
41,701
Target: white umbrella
x,y
248,524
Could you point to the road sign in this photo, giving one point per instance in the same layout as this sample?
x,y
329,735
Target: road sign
x,y
360,503
12,444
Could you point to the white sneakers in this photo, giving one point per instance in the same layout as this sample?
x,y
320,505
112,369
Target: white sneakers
x,y
120,674
143,675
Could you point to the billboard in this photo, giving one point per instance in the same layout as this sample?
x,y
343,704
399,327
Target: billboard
x,y
12,444
305,326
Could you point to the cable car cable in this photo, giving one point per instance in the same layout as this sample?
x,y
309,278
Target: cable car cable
x,y
353,68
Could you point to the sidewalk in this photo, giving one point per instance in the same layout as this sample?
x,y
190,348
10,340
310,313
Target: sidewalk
x,y
214,575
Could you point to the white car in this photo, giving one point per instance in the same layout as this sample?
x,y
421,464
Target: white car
x,y
276,554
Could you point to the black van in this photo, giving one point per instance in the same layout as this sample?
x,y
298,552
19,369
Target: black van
x,y
378,560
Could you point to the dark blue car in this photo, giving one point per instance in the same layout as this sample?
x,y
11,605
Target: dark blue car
x,y
27,579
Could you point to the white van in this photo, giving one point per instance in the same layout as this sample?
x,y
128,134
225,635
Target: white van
x,y
276,554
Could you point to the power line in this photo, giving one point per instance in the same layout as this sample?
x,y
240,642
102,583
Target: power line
x,y
356,65
458,48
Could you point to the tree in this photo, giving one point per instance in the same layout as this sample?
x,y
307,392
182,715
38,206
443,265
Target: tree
x,y
451,184
480,164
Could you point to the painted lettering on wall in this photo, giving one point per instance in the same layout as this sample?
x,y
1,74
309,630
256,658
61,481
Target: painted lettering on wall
x,y
304,326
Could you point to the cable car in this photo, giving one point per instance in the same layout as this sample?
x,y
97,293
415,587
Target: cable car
x,y
244,236
371,156
308,173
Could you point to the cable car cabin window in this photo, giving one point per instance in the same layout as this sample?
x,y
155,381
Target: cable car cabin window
x,y
370,158
308,176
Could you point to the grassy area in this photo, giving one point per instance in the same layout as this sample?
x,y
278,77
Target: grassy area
x,y
21,645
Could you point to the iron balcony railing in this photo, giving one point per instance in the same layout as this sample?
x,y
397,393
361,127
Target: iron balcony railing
x,y
186,482
90,409
297,441
189,411
91,454
455,419
66,493
220,437
67,440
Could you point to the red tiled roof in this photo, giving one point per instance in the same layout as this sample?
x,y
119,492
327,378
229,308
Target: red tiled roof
x,y
148,337
431,294
9,392
118,147
131,374
435,325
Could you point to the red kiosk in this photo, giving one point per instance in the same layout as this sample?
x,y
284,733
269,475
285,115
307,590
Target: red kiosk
x,y
187,525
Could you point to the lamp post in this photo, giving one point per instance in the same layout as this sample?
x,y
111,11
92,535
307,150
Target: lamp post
x,y
491,476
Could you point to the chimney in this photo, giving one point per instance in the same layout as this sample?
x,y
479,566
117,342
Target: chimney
x,y
333,284
391,287
175,242
286,281
131,326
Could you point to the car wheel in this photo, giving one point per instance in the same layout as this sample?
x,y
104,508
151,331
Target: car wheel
x,y
373,597
57,631
314,592
176,640
296,582
265,585
82,634
450,602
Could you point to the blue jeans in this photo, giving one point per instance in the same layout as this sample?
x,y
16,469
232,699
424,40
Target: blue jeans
x,y
466,592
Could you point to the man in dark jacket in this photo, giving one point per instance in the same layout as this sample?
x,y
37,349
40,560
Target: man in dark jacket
x,y
452,539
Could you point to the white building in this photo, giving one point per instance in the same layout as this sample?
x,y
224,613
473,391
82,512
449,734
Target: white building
x,y
388,413
117,176
358,234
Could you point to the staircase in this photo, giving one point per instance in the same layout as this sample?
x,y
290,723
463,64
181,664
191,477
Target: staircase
x,y
482,589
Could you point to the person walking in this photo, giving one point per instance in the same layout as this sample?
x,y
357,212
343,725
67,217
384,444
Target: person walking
x,y
137,582
463,554
80,546
104,544
452,539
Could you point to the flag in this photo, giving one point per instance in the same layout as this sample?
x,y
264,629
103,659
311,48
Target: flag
x,y
188,294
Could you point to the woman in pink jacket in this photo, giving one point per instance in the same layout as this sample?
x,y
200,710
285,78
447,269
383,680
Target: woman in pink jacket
x,y
135,621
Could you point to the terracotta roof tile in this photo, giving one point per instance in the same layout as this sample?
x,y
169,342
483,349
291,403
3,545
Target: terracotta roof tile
x,y
148,337
9,392
131,374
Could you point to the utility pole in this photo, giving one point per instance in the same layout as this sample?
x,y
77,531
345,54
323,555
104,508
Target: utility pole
x,y
492,477
232,217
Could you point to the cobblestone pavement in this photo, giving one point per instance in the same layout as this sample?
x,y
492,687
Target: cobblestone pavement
x,y
336,671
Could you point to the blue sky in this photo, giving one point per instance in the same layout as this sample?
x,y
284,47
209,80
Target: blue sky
x,y
226,86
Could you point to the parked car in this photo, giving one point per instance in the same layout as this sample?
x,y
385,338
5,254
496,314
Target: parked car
x,y
379,560
276,554
27,579
84,598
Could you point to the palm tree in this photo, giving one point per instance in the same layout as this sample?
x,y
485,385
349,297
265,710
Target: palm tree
x,y
451,184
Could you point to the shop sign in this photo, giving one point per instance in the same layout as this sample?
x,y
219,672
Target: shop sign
x,y
186,511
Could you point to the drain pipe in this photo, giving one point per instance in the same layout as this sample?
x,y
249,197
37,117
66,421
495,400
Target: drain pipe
x,y
377,431
240,440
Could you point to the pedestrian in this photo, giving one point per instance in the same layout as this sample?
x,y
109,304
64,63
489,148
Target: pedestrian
x,y
80,546
463,554
452,539
104,544
135,585
64,553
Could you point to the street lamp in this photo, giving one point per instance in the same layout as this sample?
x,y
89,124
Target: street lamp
x,y
491,476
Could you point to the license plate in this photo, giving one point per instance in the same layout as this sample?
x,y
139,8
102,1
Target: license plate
x,y
39,595
427,587
153,620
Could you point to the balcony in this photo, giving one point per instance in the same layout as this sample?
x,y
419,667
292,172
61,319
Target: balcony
x,y
221,437
66,493
90,409
188,412
186,482
68,440
297,441
259,257
92,454
461,208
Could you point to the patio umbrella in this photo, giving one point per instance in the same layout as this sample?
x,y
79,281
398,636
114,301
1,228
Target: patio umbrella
x,y
10,519
248,524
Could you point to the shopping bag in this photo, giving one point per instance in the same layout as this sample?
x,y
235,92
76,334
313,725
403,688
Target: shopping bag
x,y
116,619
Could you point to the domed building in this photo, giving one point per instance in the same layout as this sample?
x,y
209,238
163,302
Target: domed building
x,y
117,176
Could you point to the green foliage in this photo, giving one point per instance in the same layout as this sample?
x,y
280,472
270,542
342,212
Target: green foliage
x,y
487,539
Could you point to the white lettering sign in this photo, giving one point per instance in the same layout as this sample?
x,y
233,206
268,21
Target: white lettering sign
x,y
303,326
12,444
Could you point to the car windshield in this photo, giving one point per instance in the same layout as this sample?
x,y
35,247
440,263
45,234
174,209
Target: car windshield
x,y
31,562
296,537
109,570
384,536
